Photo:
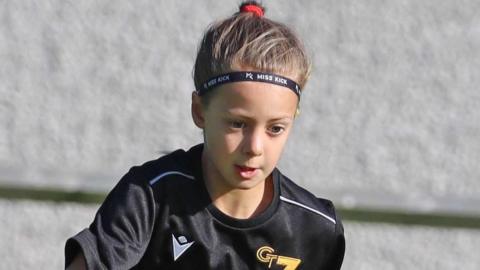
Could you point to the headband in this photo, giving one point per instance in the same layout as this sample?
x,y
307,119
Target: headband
x,y
249,76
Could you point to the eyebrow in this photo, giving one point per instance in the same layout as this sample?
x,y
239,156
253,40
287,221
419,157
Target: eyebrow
x,y
241,115
280,119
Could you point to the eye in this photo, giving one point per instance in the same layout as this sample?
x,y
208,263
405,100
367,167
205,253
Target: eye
x,y
236,124
276,130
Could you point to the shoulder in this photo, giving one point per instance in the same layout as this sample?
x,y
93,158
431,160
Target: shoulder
x,y
303,200
178,164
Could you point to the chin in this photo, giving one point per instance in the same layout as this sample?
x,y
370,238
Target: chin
x,y
246,184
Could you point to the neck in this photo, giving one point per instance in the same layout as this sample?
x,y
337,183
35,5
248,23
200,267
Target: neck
x,y
243,204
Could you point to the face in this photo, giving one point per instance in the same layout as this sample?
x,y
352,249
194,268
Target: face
x,y
246,126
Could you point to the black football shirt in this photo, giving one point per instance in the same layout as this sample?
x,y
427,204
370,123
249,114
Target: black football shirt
x,y
160,216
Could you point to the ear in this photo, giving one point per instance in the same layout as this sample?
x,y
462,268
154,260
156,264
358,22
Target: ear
x,y
197,110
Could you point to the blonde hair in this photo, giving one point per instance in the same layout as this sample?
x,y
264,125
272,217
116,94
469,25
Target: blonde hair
x,y
247,41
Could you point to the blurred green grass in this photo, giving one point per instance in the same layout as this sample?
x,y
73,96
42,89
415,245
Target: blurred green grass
x,y
44,194
348,214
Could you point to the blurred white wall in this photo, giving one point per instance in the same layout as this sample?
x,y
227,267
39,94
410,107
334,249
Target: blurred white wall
x,y
389,118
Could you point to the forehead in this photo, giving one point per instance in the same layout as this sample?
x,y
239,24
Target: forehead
x,y
255,98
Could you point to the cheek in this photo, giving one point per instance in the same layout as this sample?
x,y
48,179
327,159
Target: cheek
x,y
276,148
213,129
220,141
232,141
274,153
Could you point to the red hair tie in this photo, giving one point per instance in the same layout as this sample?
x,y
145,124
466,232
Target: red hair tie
x,y
253,9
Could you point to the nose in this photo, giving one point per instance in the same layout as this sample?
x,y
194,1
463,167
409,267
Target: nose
x,y
253,143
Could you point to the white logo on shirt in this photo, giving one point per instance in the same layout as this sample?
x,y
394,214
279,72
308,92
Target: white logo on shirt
x,y
180,245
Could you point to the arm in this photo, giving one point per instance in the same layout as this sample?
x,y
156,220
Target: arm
x,y
78,263
121,230
338,251
338,254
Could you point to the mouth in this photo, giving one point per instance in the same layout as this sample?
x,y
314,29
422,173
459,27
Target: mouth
x,y
245,171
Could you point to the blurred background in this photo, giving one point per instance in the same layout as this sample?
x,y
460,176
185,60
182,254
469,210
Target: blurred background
x,y
389,126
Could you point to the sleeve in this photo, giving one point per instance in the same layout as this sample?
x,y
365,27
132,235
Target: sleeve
x,y
121,230
338,250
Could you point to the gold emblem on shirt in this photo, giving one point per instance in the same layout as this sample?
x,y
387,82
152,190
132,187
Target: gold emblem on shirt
x,y
267,254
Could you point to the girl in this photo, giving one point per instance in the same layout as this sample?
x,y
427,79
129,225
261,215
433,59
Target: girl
x,y
223,204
